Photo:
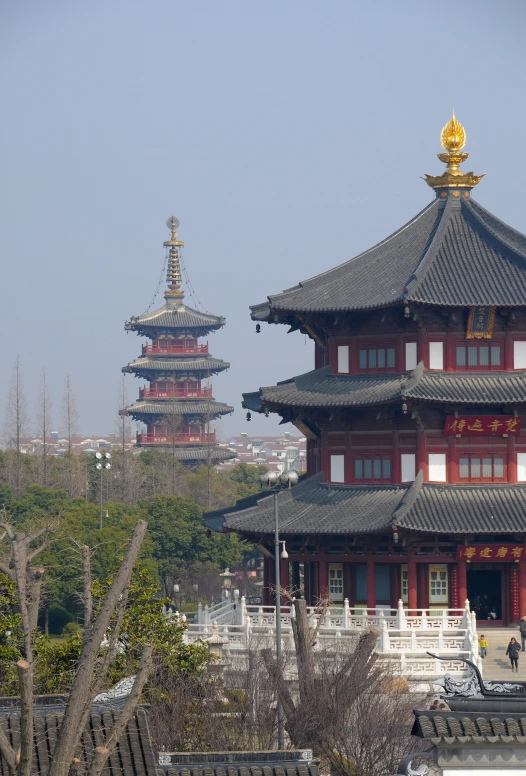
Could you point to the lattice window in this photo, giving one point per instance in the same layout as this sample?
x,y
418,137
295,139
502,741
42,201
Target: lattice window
x,y
336,581
438,584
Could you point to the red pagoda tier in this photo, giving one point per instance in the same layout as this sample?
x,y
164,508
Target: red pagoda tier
x,y
416,460
175,406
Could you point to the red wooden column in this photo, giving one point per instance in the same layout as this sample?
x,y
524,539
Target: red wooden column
x,y
396,462
452,463
462,583
371,584
514,590
421,457
324,578
508,351
412,600
453,587
522,588
512,459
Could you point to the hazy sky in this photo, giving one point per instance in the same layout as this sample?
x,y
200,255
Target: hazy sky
x,y
287,136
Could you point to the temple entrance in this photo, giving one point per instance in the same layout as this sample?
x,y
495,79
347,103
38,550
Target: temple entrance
x,y
485,593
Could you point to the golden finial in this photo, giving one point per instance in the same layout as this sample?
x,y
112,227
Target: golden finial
x,y
453,135
173,274
453,139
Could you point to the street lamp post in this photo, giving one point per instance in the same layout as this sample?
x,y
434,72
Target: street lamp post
x,y
102,462
271,479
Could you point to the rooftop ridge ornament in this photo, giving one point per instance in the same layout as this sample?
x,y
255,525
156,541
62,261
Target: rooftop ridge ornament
x,y
173,272
453,140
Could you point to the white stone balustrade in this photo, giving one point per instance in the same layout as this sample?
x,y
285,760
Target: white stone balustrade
x,y
405,636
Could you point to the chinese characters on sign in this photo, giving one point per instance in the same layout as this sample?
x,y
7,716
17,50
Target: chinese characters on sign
x,y
480,323
471,425
495,552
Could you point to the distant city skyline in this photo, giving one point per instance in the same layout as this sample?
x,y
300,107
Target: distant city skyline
x,y
287,138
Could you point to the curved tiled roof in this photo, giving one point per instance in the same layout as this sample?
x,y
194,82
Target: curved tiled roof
x,y
151,365
453,253
180,407
170,317
195,453
314,507
321,388
471,725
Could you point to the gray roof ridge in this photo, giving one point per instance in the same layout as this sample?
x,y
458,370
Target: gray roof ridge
x,y
412,379
479,212
166,308
469,486
315,278
408,499
496,235
433,247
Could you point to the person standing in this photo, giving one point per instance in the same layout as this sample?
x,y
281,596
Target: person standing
x,y
522,628
513,653
483,644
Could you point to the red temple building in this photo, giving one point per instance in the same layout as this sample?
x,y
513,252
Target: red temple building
x,y
174,405
416,458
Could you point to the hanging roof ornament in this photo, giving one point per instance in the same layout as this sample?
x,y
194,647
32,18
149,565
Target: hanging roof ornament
x,y
453,140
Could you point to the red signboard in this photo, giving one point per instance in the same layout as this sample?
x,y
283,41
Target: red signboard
x,y
479,425
491,552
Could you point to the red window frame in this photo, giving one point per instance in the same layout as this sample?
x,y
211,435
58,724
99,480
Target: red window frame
x,y
372,457
376,347
478,345
480,457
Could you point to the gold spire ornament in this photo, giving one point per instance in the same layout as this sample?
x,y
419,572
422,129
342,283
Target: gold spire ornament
x,y
173,273
453,140
453,135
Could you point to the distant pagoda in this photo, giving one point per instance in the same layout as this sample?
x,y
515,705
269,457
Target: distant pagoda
x,y
175,407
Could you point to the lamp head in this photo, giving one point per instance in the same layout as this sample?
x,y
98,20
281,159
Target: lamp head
x,y
98,456
272,478
289,478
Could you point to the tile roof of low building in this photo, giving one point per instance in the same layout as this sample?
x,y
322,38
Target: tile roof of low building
x,y
132,757
169,317
180,407
196,453
263,763
322,388
179,364
453,253
315,507
451,725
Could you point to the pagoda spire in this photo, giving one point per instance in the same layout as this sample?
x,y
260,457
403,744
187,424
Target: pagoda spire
x,y
453,140
174,293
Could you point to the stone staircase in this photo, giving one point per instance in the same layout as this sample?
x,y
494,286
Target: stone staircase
x,y
496,665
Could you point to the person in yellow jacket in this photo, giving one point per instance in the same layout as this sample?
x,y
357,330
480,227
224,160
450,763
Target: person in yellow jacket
x,y
483,644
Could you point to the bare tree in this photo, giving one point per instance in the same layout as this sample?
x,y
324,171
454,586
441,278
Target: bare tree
x,y
94,663
15,423
351,710
70,429
43,415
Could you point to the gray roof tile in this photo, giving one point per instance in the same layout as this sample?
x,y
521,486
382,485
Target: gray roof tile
x,y
134,748
453,253
177,364
195,453
321,388
314,507
168,317
181,407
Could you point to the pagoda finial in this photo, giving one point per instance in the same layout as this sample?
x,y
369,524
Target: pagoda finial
x,y
453,139
173,273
